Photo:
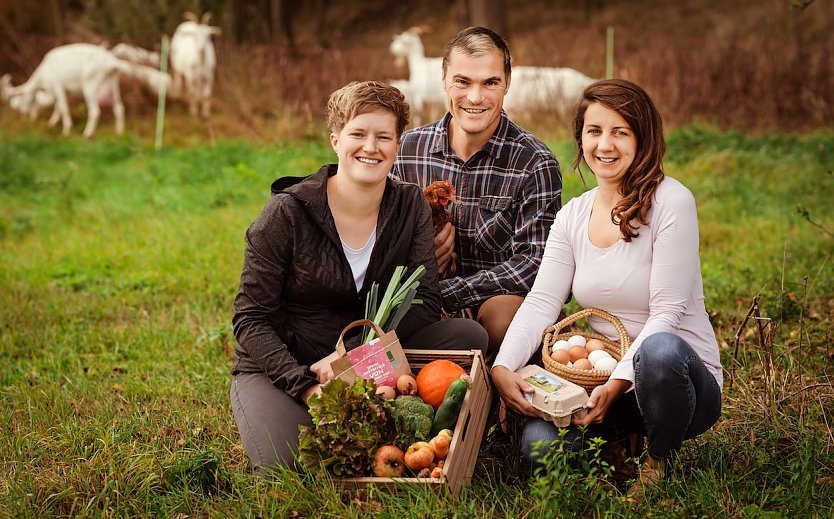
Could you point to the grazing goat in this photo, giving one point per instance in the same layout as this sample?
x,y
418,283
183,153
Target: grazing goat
x,y
193,62
149,78
78,68
425,75
136,55
545,88
41,100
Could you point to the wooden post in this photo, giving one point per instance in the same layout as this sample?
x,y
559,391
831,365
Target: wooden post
x,y
609,53
160,106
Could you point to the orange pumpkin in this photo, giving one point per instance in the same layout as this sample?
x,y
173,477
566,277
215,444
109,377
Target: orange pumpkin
x,y
434,380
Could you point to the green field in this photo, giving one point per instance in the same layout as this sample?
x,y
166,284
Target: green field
x,y
118,267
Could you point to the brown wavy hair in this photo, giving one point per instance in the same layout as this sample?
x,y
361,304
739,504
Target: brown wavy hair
x,y
640,181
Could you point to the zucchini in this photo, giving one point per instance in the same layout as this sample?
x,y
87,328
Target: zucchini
x,y
447,414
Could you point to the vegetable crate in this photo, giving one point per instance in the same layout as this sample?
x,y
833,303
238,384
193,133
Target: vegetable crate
x,y
469,429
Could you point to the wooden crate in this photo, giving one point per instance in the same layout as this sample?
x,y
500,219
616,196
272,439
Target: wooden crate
x,y
469,429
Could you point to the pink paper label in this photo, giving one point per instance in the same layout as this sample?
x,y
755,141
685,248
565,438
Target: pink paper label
x,y
371,362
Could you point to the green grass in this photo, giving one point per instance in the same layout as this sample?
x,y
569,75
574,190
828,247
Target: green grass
x,y
118,267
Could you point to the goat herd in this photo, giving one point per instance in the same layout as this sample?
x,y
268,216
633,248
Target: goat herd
x,y
94,72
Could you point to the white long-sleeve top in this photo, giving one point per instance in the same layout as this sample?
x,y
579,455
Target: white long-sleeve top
x,y
652,283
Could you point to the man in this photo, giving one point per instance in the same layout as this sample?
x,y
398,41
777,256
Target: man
x,y
508,185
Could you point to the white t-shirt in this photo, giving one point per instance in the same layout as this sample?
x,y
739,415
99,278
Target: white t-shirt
x,y
652,284
359,259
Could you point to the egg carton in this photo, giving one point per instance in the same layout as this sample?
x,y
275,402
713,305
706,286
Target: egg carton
x,y
558,399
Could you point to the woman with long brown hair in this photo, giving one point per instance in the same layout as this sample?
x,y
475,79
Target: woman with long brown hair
x,y
628,246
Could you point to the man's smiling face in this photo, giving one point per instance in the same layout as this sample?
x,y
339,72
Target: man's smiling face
x,y
476,86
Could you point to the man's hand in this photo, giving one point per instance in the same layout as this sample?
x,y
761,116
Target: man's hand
x,y
322,368
512,389
444,246
601,399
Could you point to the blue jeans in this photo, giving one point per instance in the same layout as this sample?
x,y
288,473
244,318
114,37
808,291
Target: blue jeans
x,y
675,398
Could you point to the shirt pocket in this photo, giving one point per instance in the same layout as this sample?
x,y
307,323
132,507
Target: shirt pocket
x,y
494,223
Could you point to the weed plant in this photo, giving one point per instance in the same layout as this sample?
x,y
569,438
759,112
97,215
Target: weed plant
x,y
118,267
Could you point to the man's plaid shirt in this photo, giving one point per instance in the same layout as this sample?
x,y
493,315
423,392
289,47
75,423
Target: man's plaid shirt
x,y
508,194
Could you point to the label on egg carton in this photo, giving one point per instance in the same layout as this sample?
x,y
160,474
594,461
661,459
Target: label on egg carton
x,y
557,398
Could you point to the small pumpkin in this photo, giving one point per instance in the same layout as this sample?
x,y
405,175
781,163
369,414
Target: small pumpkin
x,y
434,380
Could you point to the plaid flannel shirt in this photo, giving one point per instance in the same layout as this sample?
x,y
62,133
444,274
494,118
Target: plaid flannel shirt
x,y
508,194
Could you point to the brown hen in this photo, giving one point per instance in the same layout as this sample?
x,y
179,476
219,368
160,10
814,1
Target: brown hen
x,y
439,195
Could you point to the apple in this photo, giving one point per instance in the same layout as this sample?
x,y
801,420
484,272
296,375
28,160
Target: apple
x,y
389,462
419,456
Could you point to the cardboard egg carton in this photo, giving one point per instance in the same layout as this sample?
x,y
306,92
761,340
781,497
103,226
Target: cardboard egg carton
x,y
558,399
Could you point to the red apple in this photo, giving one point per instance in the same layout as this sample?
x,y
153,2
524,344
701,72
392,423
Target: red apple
x,y
389,462
419,456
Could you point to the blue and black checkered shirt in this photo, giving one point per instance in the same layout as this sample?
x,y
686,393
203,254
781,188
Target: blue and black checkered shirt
x,y
508,194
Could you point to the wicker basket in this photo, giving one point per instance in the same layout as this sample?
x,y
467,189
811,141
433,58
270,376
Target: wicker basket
x,y
587,378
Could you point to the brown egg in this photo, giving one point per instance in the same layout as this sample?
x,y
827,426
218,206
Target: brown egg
x,y
560,356
594,344
583,364
577,352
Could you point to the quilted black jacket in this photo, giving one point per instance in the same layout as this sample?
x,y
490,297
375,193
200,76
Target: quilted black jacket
x,y
297,291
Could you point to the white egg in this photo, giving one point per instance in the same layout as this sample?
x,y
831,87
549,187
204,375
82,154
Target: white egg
x,y
595,355
560,345
576,340
605,363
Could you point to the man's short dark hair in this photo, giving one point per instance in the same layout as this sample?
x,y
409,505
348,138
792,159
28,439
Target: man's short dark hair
x,y
476,41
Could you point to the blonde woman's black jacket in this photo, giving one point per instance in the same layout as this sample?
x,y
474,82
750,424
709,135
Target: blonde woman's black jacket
x,y
297,291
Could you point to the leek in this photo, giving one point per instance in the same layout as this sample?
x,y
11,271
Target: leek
x,y
395,302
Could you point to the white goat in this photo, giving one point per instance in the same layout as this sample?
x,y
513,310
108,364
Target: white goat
x,y
193,62
425,75
41,100
78,68
545,88
151,79
136,55
404,86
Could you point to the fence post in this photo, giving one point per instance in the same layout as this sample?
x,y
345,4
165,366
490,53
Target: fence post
x,y
609,53
160,106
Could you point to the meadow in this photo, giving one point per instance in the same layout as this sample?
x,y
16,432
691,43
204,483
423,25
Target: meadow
x,y
119,264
